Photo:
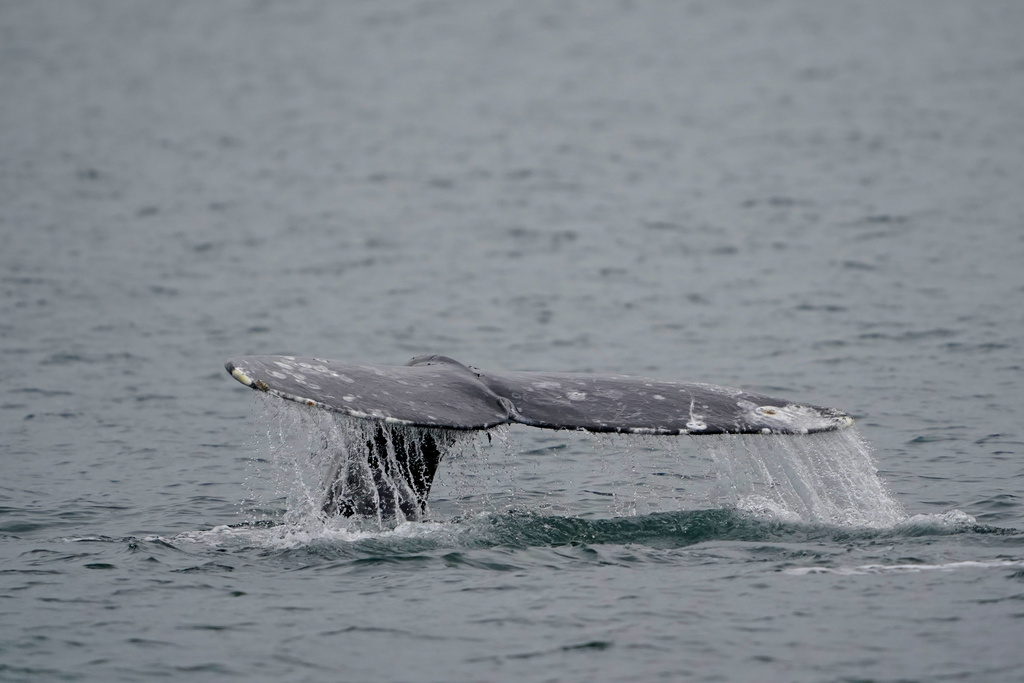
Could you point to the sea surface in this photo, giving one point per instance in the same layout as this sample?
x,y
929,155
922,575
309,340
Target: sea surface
x,y
821,201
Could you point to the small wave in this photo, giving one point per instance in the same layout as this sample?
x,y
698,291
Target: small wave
x,y
953,519
906,568
291,536
525,529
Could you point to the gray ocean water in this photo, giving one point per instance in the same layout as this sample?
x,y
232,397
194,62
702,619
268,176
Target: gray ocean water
x,y
821,201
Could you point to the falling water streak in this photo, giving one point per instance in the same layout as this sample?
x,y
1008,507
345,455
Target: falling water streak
x,y
309,449
511,463
469,482
639,497
826,478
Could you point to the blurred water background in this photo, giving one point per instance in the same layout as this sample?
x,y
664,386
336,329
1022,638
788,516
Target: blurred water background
x,y
814,200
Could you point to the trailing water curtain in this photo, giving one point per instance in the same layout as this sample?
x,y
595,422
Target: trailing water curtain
x,y
414,411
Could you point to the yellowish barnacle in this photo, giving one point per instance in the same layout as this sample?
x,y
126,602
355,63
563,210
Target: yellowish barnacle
x,y
241,377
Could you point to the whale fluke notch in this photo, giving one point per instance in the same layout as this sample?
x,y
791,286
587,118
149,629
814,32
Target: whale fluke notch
x,y
437,393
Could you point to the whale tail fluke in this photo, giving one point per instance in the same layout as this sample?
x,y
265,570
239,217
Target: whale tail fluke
x,y
412,413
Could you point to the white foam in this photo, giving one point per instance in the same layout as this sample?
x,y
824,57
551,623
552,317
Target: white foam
x,y
907,568
287,536
953,518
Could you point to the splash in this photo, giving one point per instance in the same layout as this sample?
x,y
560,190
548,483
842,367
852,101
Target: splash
x,y
827,478
332,472
318,458
294,535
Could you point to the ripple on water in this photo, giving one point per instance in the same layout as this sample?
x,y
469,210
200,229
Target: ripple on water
x,y
525,530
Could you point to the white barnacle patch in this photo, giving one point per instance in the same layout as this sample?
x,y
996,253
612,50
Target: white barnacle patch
x,y
643,430
548,385
241,377
348,399
283,365
658,397
797,419
278,375
696,422
576,395
298,399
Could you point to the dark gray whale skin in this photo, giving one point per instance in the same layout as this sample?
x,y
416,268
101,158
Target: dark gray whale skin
x,y
436,391
437,394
